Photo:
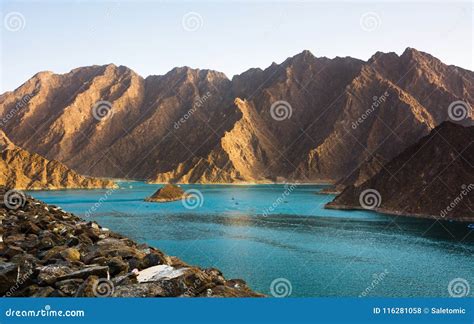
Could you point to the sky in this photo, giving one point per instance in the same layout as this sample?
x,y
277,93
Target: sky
x,y
152,37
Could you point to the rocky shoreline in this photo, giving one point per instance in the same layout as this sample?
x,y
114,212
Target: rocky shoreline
x,y
47,252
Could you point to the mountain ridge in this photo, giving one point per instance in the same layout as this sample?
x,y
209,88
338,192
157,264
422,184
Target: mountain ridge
x,y
22,170
313,142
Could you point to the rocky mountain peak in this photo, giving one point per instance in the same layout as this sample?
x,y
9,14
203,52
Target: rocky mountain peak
x,y
307,118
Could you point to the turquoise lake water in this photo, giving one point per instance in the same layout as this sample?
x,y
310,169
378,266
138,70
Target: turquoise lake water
x,y
261,233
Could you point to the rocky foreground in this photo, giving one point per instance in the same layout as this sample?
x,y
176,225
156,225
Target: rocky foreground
x,y
47,252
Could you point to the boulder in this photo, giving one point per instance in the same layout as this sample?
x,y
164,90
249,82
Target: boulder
x,y
149,289
71,254
44,292
100,271
159,272
8,276
88,287
117,266
69,287
49,274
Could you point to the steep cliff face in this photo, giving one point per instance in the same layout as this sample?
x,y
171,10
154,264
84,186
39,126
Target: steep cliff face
x,y
20,169
307,119
432,178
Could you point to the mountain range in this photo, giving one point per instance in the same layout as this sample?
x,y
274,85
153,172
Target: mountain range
x,y
308,119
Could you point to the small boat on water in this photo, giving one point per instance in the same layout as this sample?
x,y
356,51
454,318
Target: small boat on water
x,y
471,226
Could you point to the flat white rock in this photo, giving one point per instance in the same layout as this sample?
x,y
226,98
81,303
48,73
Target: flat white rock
x,y
159,272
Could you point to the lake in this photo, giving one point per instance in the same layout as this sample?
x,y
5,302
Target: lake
x,y
282,234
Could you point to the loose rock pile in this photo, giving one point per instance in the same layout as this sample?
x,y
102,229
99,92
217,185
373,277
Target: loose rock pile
x,y
47,252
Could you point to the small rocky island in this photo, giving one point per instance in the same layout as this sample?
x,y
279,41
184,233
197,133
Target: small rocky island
x,y
47,252
169,192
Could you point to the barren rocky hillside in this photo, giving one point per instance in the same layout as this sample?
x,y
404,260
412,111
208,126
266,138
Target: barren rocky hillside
x,y
20,169
307,119
432,178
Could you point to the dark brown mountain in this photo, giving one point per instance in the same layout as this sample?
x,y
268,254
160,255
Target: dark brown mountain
x,y
432,178
20,169
194,125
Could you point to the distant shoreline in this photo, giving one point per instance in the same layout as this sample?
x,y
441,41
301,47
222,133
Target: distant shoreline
x,y
398,213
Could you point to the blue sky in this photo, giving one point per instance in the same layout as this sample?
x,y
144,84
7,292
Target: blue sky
x,y
152,37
